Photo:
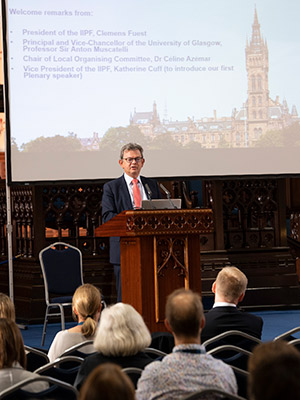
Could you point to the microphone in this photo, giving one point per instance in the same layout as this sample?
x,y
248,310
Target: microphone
x,y
148,191
168,194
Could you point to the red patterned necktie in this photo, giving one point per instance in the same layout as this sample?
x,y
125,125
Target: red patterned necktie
x,y
137,198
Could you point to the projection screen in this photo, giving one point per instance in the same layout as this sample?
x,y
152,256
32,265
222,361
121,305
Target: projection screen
x,y
208,87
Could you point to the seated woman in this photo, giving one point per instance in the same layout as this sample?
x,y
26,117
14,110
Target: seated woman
x,y
86,305
7,308
121,338
13,359
109,382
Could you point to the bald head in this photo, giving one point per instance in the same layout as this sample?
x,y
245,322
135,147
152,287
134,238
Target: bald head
x,y
230,285
184,313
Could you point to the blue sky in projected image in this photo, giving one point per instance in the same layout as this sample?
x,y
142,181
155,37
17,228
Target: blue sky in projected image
x,y
100,101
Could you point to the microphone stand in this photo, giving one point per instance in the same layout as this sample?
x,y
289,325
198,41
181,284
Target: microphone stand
x,y
150,195
168,194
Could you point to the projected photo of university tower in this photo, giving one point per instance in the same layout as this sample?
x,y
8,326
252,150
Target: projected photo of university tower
x,y
260,121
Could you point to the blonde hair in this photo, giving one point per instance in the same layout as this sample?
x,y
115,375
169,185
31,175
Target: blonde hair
x,y
87,302
7,308
231,283
109,382
11,344
122,331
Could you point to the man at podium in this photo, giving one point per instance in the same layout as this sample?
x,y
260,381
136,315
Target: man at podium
x,y
126,193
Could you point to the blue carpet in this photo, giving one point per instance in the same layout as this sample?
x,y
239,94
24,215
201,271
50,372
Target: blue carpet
x,y
275,323
32,335
278,322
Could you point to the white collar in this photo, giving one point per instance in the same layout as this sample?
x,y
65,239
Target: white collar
x,y
128,178
223,304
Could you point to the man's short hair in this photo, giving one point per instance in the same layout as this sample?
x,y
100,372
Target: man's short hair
x,y
131,147
184,312
274,372
231,283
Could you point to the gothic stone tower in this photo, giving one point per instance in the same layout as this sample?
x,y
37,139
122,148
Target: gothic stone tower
x,y
257,64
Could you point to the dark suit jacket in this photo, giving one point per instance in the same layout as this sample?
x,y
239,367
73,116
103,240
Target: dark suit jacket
x,y
115,199
222,319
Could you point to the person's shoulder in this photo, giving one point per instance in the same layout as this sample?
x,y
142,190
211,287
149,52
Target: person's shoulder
x,y
153,365
249,315
254,318
114,183
218,364
95,359
61,334
144,358
213,312
92,361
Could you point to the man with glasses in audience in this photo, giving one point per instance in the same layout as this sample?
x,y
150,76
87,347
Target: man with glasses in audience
x,y
126,193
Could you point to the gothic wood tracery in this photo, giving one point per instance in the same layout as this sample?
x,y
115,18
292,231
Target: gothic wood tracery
x,y
171,268
250,212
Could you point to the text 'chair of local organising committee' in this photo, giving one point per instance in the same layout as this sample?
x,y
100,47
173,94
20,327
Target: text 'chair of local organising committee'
x,y
61,265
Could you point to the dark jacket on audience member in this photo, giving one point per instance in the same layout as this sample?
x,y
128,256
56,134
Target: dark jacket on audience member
x,y
223,319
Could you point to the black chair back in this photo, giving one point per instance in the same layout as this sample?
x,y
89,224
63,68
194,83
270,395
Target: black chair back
x,y
58,390
35,358
75,350
133,373
61,266
242,346
154,353
64,369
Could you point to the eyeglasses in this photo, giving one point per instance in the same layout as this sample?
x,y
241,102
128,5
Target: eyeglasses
x,y
130,160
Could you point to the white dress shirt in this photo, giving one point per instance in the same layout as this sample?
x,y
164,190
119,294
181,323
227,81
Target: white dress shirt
x,y
223,304
128,180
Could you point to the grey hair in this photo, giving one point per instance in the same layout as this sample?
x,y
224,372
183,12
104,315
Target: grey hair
x,y
122,331
129,147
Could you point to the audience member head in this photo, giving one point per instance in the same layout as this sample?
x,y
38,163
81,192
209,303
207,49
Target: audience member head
x,y
274,372
107,382
230,285
86,308
7,308
131,147
122,331
11,344
184,315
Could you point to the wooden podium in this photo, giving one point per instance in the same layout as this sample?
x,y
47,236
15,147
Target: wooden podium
x,y
160,252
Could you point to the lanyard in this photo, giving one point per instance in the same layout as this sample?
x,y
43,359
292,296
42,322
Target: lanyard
x,y
192,351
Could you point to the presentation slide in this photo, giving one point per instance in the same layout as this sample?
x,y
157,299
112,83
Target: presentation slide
x,y
209,88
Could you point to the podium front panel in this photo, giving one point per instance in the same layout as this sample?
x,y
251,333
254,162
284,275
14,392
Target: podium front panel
x,y
152,267
160,252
